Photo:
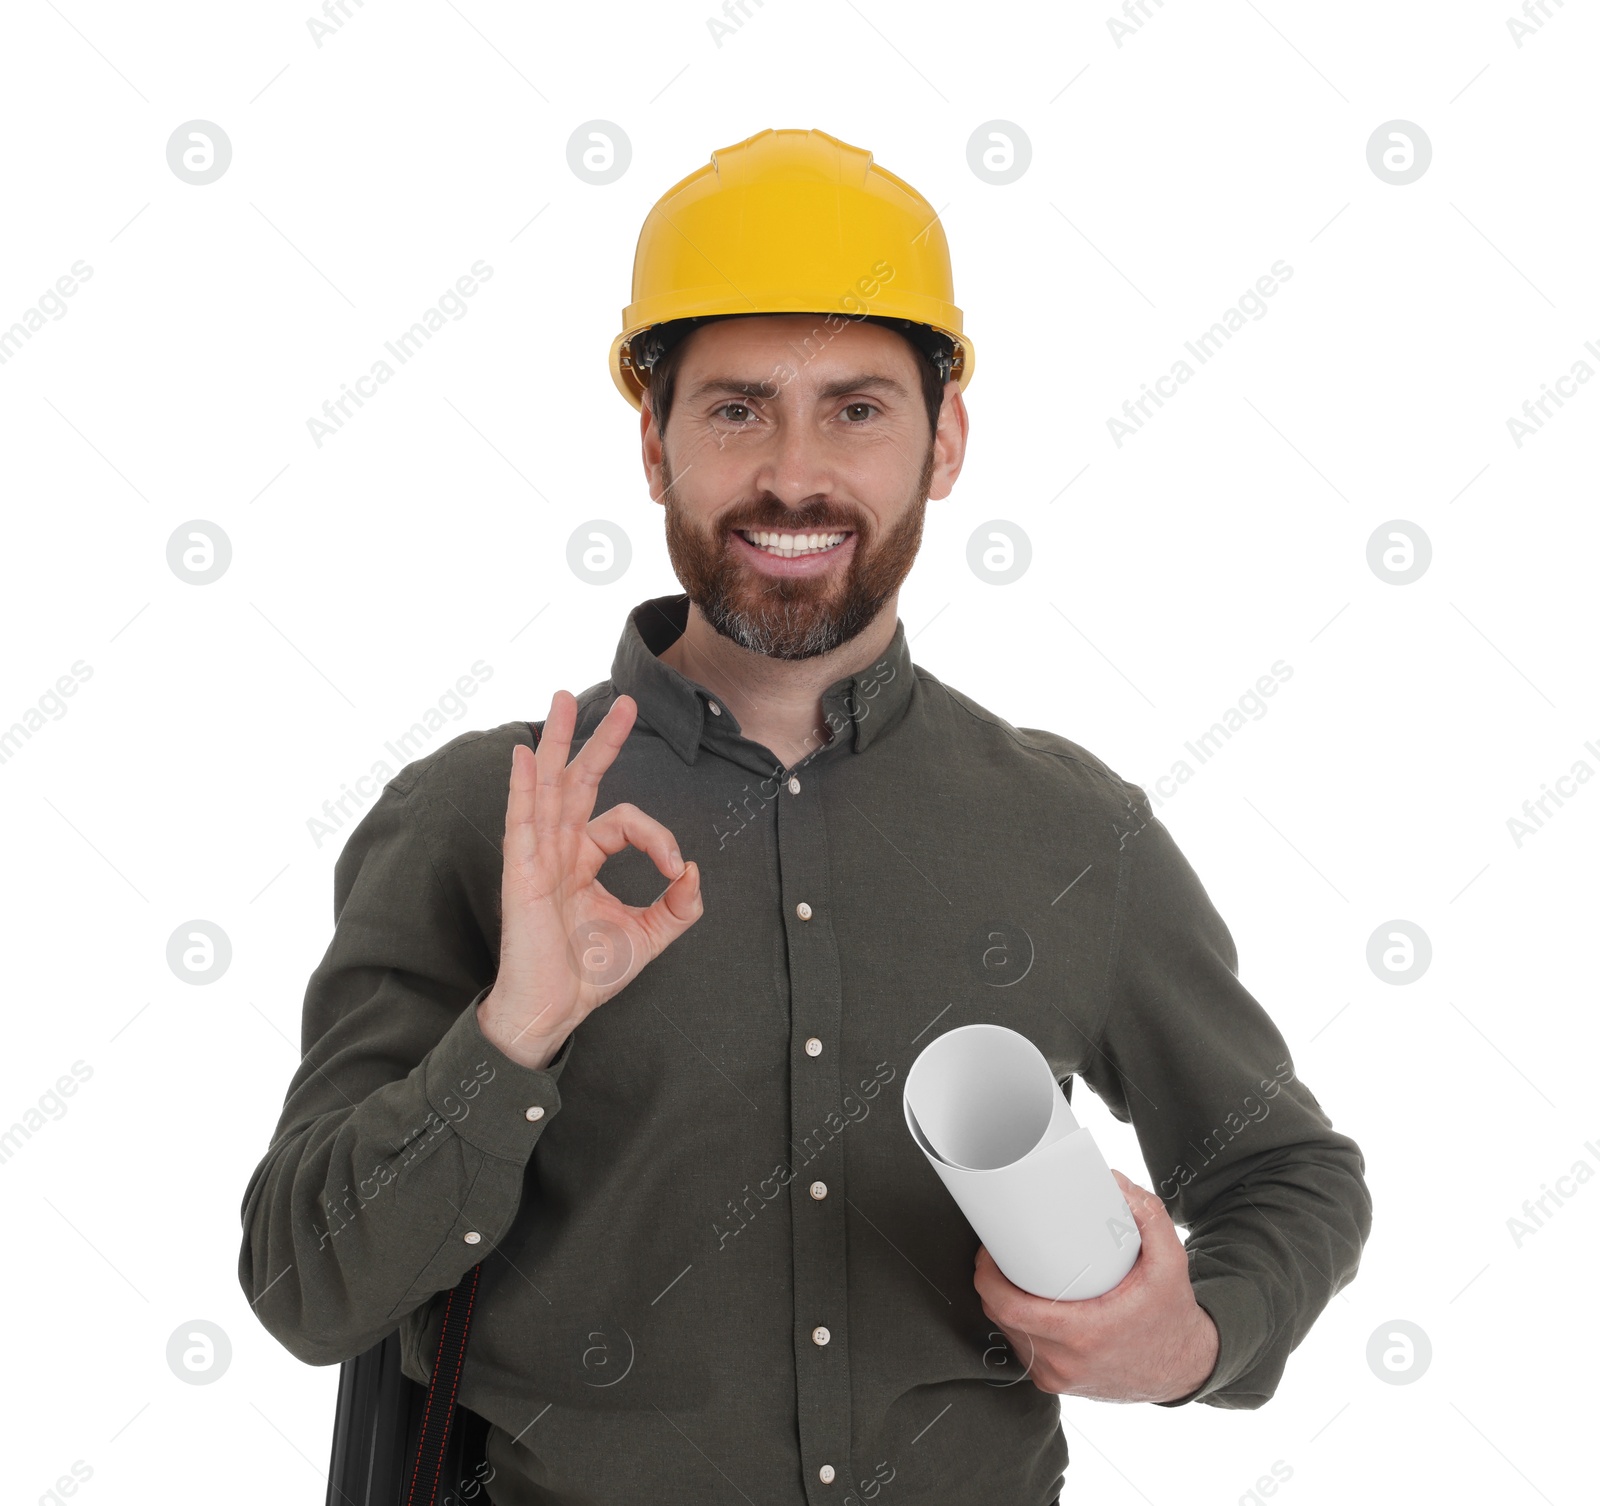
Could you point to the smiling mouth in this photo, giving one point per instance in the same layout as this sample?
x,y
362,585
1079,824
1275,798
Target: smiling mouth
x,y
790,545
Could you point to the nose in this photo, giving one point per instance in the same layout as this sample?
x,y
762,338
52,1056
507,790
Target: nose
x,y
794,467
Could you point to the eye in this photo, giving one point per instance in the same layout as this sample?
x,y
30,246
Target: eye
x,y
743,408
865,408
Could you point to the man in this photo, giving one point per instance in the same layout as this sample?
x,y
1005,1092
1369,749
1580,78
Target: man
x,y
663,1110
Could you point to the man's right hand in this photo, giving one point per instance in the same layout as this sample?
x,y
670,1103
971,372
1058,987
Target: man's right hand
x,y
561,952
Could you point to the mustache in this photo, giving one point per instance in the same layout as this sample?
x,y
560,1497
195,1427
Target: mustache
x,y
779,518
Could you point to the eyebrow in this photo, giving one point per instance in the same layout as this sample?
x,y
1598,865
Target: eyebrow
x,y
737,387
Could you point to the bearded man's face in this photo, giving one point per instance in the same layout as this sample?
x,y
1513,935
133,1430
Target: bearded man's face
x,y
784,425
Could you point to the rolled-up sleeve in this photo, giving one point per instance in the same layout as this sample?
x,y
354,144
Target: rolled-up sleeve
x,y
1239,1150
399,1158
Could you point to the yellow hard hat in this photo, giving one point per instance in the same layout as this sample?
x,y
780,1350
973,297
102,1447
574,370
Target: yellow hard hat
x,y
791,222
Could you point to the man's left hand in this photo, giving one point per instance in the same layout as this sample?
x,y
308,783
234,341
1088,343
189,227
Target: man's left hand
x,y
1147,1339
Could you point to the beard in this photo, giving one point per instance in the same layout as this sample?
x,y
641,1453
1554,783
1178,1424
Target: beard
x,y
792,617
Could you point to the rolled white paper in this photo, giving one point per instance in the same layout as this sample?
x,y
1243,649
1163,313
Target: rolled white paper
x,y
992,1120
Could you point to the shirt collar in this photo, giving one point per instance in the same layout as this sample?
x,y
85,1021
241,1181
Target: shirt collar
x,y
859,707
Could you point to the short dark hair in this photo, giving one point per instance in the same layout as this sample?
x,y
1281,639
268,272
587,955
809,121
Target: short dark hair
x,y
664,375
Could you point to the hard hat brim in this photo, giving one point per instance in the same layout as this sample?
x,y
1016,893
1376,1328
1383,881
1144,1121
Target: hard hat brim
x,y
632,386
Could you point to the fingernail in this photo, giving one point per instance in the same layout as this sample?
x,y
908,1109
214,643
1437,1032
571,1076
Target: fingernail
x,y
676,858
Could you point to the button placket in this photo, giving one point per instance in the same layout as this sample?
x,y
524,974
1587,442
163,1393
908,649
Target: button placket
x,y
817,1224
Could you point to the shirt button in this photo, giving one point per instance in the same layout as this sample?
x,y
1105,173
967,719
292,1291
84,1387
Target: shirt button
x,y
794,789
716,710
813,1046
534,1113
472,1236
819,1190
825,1474
803,910
820,1336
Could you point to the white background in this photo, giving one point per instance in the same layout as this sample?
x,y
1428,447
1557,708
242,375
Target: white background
x,y
1167,174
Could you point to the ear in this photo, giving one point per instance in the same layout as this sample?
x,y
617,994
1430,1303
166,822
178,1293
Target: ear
x,y
949,443
650,449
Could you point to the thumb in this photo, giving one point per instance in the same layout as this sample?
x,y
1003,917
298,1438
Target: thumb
x,y
679,906
1156,1229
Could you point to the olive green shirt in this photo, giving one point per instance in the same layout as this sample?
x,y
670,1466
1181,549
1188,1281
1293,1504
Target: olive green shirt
x,y
716,1265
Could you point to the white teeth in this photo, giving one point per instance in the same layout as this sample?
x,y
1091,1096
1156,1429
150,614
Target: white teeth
x,y
793,543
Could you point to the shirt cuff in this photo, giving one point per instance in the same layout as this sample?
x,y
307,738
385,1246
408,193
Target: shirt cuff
x,y
493,1103
1243,1327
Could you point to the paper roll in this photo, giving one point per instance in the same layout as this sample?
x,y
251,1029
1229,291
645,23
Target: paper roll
x,y
986,1109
